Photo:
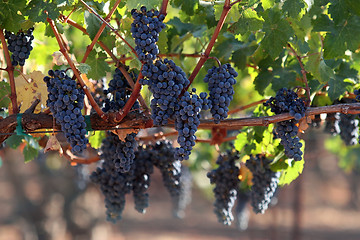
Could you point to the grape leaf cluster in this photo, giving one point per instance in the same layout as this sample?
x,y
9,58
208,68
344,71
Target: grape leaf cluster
x,y
226,181
288,101
220,84
265,182
20,45
145,30
165,81
65,101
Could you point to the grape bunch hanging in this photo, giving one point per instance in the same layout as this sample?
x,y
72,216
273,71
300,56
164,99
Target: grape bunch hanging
x,y
66,101
20,45
287,101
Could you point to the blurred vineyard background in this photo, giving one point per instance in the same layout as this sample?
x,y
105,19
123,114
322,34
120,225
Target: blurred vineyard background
x,y
50,199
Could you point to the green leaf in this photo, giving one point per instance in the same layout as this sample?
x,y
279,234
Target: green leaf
x,y
337,87
98,65
4,94
232,16
163,42
262,80
248,22
9,17
96,138
135,64
93,24
282,77
84,68
294,7
241,141
187,6
345,36
36,10
14,141
291,172
278,31
318,68
267,4
29,153
149,4
225,48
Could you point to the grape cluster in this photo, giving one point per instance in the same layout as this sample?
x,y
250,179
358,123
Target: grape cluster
x,y
143,168
187,120
120,92
242,213
285,101
265,182
170,168
114,185
347,126
65,101
165,81
122,153
226,181
185,192
145,30
331,118
288,101
220,84
20,45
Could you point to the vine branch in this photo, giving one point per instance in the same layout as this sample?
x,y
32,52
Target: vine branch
x,y
32,122
10,70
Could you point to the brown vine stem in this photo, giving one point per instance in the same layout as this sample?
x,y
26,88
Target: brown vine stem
x,y
115,59
206,54
239,109
100,31
76,72
164,5
10,70
303,72
134,120
107,24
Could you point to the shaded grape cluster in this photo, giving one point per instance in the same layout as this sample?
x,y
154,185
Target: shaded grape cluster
x,y
185,192
20,45
65,101
220,84
226,181
265,182
287,101
143,168
165,81
119,91
114,185
347,126
170,168
242,213
145,30
121,152
187,120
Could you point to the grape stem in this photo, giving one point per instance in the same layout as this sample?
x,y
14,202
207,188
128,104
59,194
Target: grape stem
x,y
303,72
107,24
206,54
164,5
10,70
76,72
217,60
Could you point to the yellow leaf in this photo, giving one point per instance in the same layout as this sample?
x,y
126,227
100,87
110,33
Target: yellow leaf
x,y
30,87
122,133
53,145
